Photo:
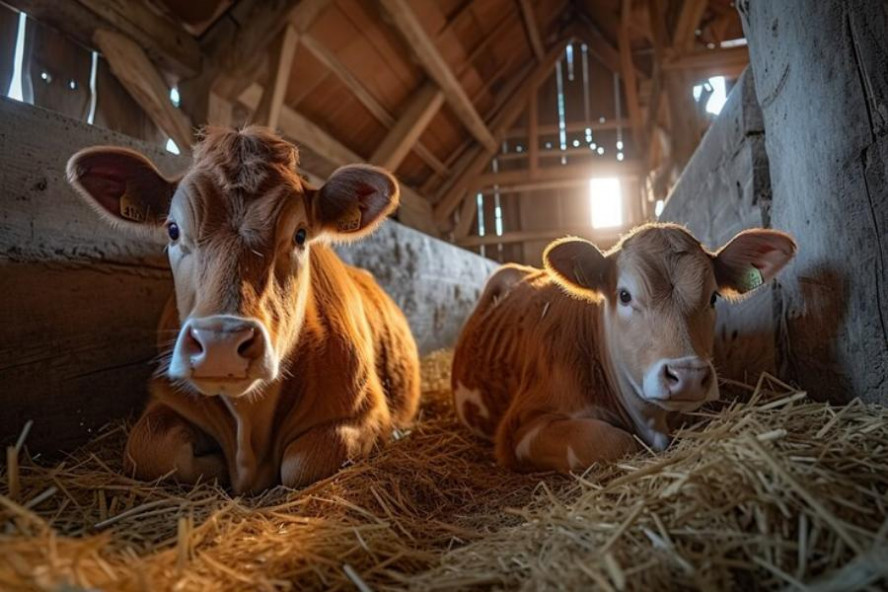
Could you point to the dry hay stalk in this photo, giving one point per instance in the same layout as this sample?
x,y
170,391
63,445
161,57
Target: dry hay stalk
x,y
771,491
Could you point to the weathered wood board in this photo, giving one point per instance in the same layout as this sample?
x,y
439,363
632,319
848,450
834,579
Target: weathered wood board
x,y
821,72
79,300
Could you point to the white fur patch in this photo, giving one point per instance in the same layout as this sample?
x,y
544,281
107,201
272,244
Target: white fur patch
x,y
464,395
573,461
522,451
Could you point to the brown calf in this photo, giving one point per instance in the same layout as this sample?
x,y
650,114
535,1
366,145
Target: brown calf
x,y
285,362
561,367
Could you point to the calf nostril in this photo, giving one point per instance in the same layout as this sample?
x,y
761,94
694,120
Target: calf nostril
x,y
670,376
192,342
244,348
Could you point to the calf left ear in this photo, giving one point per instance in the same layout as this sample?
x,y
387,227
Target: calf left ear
x,y
578,266
354,200
750,259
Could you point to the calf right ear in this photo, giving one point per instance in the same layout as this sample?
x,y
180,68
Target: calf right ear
x,y
578,266
122,185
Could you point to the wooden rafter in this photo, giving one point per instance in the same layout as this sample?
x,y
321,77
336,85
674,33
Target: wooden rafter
x,y
163,41
686,26
627,71
427,54
405,133
532,28
533,135
728,62
476,162
269,110
521,236
140,77
329,59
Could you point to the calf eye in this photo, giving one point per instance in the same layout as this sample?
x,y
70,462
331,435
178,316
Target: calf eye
x,y
173,231
713,299
299,237
625,296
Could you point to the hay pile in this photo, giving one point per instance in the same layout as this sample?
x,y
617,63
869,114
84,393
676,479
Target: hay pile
x,y
773,493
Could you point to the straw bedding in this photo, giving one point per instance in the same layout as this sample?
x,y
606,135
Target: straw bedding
x,y
772,492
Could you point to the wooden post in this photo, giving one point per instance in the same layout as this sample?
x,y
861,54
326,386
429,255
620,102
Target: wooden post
x,y
533,134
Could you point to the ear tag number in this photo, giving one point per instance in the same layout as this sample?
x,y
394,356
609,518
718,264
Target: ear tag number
x,y
752,279
131,210
350,221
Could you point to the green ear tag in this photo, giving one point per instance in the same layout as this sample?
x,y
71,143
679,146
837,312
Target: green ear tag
x,y
131,210
751,280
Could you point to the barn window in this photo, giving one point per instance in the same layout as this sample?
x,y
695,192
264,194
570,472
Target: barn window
x,y
718,97
606,200
16,88
658,207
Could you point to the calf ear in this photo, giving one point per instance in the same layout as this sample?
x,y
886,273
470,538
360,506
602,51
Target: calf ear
x,y
354,200
750,259
122,185
578,266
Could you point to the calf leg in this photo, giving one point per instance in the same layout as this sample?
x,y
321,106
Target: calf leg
x,y
322,450
163,442
562,443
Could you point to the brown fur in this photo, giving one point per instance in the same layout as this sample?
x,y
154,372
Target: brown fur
x,y
349,365
539,365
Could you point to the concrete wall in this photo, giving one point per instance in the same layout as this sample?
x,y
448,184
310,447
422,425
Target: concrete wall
x,y
725,188
79,300
821,71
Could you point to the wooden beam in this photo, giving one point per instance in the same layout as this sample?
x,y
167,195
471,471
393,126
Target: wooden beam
x,y
627,71
548,153
513,108
416,117
522,236
331,61
686,26
533,135
269,111
532,28
415,210
164,41
570,127
537,186
467,212
219,112
137,74
627,168
729,62
405,20
601,48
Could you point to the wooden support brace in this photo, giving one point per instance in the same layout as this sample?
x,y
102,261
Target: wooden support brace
x,y
533,29
142,80
269,110
405,133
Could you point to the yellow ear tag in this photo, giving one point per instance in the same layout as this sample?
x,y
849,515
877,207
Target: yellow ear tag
x,y
351,220
131,210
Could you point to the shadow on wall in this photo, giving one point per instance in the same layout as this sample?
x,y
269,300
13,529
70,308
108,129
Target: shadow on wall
x,y
821,311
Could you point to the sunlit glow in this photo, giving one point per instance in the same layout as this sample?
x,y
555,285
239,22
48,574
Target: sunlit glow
x,y
16,90
719,95
479,200
172,147
174,96
606,200
658,207
620,156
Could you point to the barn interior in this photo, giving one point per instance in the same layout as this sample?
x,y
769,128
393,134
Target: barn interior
x,y
508,124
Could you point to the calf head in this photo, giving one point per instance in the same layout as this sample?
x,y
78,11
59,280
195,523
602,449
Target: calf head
x,y
240,224
659,288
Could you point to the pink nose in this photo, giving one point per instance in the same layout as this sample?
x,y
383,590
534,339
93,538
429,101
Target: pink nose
x,y
222,347
686,378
